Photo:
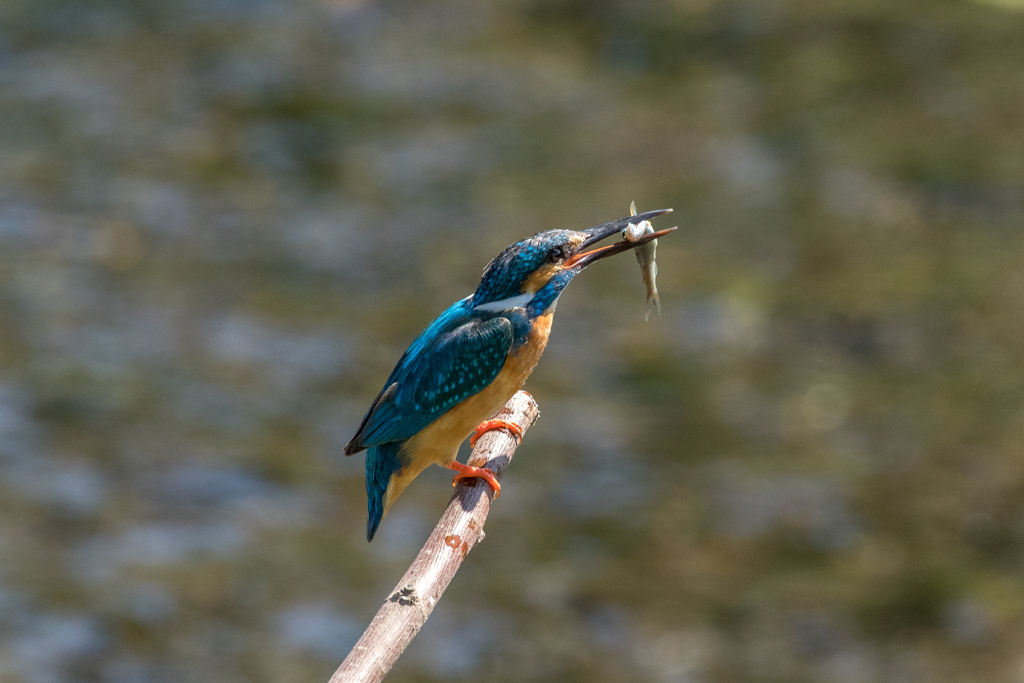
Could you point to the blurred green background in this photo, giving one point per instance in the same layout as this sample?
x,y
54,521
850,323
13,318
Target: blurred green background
x,y
222,221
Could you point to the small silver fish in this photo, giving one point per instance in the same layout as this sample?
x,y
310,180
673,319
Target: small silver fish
x,y
645,254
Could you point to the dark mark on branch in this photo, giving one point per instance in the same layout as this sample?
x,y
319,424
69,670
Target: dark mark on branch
x,y
406,596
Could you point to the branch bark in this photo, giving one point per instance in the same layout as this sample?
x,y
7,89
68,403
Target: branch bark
x,y
461,527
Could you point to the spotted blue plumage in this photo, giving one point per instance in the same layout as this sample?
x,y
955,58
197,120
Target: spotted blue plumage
x,y
455,357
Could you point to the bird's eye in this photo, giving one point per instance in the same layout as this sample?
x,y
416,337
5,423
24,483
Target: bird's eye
x,y
555,254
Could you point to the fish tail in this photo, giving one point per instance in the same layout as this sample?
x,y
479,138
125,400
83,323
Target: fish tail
x,y
652,302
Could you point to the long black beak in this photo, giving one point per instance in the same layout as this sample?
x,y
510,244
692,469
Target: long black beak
x,y
584,258
608,229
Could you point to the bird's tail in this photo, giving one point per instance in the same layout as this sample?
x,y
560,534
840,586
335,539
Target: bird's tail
x,y
381,462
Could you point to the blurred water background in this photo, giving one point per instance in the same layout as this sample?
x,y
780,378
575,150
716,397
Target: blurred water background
x,y
222,221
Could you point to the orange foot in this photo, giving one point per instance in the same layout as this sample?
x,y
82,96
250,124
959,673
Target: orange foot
x,y
467,472
488,425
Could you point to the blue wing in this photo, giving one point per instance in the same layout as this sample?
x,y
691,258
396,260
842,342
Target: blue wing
x,y
442,367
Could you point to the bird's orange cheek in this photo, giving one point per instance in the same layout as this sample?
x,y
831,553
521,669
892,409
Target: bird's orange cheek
x,y
540,277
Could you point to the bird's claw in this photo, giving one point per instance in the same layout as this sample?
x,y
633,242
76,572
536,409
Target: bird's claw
x,y
468,472
488,425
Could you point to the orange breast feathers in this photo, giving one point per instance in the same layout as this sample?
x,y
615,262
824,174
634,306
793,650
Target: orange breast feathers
x,y
439,442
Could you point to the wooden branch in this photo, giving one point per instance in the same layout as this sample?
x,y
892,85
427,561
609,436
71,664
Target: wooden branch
x,y
461,527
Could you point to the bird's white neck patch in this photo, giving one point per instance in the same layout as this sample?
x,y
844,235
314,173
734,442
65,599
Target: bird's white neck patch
x,y
518,301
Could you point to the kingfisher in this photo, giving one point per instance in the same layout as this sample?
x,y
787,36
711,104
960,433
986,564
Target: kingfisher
x,y
471,360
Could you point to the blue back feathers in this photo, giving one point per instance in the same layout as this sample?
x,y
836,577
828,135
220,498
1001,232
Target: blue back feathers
x,y
442,367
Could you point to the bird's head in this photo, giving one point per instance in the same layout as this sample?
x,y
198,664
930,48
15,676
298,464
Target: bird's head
x,y
532,272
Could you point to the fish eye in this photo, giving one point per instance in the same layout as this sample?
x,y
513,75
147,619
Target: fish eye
x,y
556,254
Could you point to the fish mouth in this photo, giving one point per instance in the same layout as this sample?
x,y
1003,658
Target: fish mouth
x,y
583,259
